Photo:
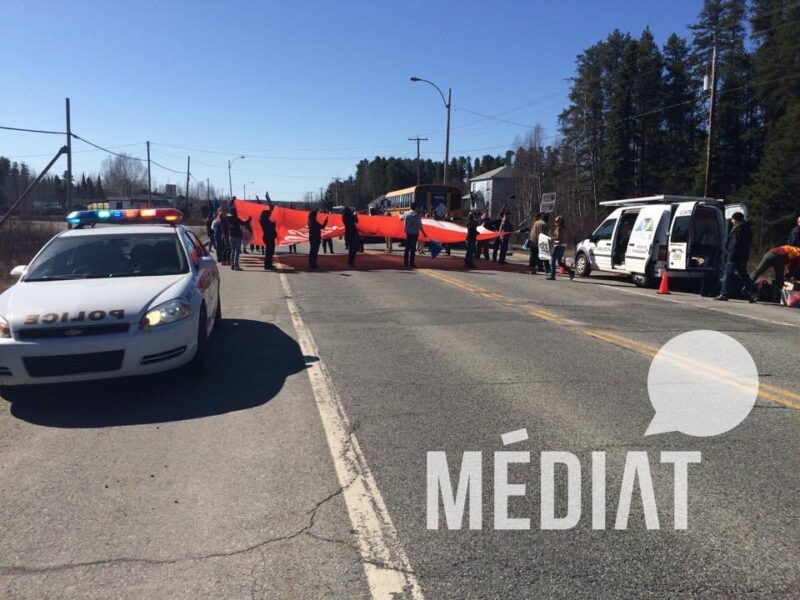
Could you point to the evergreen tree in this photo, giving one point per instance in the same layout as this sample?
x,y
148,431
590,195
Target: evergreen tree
x,y
648,98
682,149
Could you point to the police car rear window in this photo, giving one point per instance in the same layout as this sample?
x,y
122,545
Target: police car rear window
x,y
100,256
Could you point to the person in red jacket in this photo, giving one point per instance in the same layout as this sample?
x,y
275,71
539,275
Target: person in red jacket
x,y
782,259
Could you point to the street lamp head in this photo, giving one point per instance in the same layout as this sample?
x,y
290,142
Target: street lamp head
x,y
414,79
242,156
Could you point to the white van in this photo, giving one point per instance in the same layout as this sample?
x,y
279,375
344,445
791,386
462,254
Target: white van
x,y
645,237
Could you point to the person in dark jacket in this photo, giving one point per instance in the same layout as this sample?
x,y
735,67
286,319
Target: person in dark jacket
x,y
501,243
270,235
488,223
737,253
472,241
235,233
351,238
314,237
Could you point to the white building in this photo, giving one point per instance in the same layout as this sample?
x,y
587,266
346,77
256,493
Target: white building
x,y
492,190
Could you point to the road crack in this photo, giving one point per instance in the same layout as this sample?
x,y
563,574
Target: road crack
x,y
27,570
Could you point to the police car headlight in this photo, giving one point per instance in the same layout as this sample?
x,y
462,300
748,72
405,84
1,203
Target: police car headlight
x,y
5,330
169,312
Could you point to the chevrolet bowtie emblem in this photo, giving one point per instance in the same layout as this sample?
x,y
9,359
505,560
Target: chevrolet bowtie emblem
x,y
73,332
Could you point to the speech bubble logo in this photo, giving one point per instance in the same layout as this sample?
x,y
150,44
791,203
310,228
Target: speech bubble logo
x,y
701,383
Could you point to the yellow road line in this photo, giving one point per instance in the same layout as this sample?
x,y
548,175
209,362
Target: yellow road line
x,y
766,391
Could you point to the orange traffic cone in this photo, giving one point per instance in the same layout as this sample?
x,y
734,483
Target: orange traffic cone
x,y
664,287
562,270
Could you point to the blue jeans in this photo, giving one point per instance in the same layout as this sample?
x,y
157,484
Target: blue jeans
x,y
236,249
740,269
556,258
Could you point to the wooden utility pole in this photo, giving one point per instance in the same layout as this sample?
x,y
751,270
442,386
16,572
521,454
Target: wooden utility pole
x,y
69,160
208,190
418,140
711,112
188,165
149,184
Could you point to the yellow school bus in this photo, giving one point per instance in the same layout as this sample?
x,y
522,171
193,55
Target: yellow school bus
x,y
428,197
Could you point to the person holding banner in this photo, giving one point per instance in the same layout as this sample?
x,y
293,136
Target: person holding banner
x,y
314,237
501,243
472,241
412,223
351,238
270,235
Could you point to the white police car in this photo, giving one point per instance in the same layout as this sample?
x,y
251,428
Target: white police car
x,y
135,296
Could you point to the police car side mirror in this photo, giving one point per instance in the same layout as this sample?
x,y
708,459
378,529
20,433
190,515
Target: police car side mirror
x,y
18,271
206,262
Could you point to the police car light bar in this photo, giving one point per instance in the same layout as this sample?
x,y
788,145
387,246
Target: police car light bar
x,y
129,215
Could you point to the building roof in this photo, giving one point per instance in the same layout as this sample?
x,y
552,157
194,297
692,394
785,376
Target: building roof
x,y
503,172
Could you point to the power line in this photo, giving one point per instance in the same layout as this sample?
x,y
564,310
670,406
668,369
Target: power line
x,y
33,130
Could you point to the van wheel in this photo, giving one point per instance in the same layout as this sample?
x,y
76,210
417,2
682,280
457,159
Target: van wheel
x,y
198,366
582,265
648,280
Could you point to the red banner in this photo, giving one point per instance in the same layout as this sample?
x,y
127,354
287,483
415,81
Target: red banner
x,y
292,226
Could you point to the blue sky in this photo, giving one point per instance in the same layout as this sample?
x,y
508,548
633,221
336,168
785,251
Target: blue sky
x,y
303,89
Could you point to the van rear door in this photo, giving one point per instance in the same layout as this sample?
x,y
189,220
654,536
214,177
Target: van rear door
x,y
648,233
679,236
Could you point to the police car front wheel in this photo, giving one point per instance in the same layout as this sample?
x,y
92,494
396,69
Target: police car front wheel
x,y
198,366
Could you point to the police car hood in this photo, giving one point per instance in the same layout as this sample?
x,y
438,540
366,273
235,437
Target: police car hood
x,y
88,301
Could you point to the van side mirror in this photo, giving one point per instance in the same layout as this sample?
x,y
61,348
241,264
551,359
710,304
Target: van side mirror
x,y
18,271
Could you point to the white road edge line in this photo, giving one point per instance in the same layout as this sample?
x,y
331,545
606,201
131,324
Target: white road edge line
x,y
386,565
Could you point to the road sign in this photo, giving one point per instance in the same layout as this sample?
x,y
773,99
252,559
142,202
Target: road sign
x,y
548,202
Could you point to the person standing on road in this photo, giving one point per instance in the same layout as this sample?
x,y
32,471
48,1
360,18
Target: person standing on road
x,y
472,241
488,223
412,223
314,237
351,237
539,227
782,260
737,253
235,225
327,244
210,232
270,235
501,243
559,246
221,240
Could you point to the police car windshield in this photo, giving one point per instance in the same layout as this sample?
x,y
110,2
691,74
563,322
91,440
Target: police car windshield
x,y
113,255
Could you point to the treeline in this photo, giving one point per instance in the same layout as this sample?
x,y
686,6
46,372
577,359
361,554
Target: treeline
x,y
50,193
380,175
637,123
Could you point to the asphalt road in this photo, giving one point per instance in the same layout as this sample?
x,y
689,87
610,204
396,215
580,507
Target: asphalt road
x,y
297,468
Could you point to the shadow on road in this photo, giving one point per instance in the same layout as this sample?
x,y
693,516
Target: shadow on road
x,y
374,261
250,360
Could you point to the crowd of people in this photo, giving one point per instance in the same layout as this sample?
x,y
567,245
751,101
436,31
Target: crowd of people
x,y
229,237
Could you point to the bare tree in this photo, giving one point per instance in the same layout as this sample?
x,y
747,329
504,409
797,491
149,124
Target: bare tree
x,y
123,175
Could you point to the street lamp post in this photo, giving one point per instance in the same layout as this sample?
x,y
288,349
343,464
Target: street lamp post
x,y
244,190
447,104
230,181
